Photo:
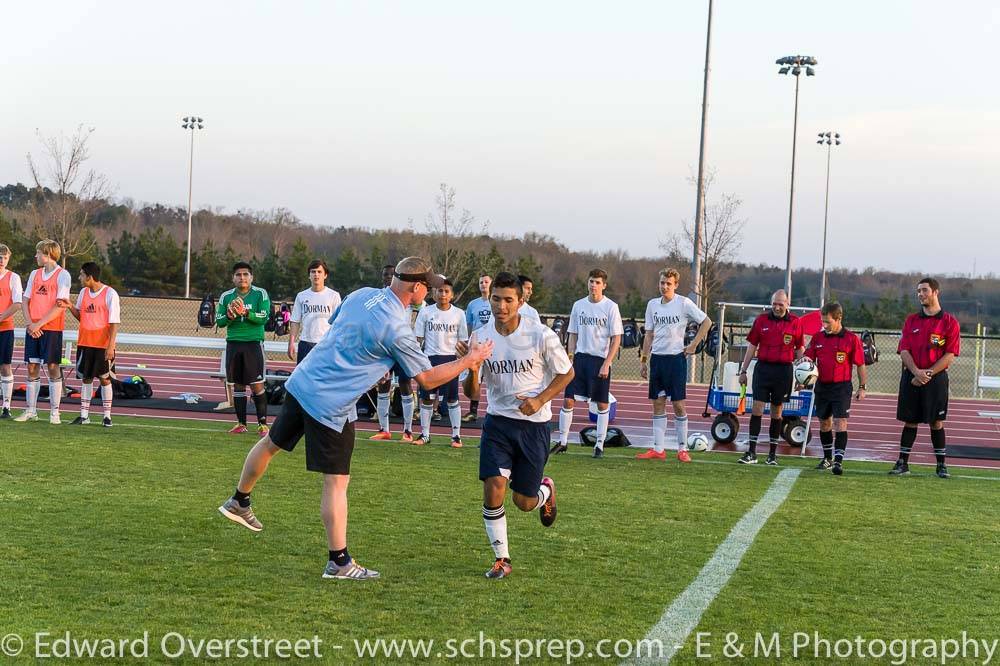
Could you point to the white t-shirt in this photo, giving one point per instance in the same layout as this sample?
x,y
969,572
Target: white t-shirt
x,y
529,312
312,311
16,290
63,283
594,325
110,297
669,321
441,329
522,363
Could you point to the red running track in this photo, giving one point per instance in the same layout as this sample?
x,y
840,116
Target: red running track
x,y
873,427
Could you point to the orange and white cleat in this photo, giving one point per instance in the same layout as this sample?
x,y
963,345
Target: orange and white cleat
x,y
651,454
683,455
456,442
238,429
407,437
381,436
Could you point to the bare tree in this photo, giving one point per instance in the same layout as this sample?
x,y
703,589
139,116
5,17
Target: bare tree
x,y
67,195
453,250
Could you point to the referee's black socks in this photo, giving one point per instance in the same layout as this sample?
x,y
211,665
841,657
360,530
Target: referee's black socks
x,y
754,432
826,439
774,432
840,445
938,442
906,439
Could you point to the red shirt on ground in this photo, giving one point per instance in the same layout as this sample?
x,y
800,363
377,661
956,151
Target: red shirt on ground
x,y
929,337
836,355
776,339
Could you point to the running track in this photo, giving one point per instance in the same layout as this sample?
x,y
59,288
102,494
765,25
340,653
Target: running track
x,y
874,429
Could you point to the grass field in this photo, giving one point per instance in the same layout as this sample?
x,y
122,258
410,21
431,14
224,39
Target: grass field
x,y
109,534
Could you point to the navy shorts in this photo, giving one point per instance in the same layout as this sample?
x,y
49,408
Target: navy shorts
x,y
516,450
922,404
449,391
586,382
6,347
772,382
46,349
303,350
833,400
401,375
668,376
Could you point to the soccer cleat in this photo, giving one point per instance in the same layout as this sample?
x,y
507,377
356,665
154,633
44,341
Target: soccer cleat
x,y
407,437
241,515
106,422
557,449
547,512
838,469
54,417
381,435
824,464
238,429
748,459
500,569
456,442
350,571
772,461
900,469
598,452
80,420
5,414
942,471
469,417
651,454
262,429
683,455
26,416
420,441
436,416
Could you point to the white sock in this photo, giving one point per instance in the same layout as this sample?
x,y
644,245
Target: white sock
x,y
659,432
425,419
565,424
7,389
382,409
107,395
407,413
602,426
681,426
455,416
34,385
55,393
495,521
86,393
543,495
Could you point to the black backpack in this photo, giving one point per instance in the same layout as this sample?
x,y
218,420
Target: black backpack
x,y
274,389
560,325
282,319
206,312
631,334
689,335
615,437
137,388
272,319
868,344
714,339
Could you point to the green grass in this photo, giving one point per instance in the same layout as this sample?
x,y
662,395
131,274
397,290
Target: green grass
x,y
110,533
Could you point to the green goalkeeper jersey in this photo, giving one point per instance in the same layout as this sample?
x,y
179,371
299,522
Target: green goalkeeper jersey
x,y
249,327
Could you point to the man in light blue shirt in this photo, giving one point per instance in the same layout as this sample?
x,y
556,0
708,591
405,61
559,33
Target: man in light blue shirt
x,y
370,332
477,313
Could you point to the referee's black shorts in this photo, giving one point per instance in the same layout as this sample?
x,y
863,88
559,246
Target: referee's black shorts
x,y
244,362
772,382
327,451
833,399
922,404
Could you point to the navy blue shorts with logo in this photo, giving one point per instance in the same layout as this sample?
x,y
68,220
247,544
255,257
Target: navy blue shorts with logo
x,y
515,449
45,349
303,350
772,382
586,383
448,391
668,376
833,399
6,347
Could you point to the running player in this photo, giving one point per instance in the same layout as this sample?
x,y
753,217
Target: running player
x,y
664,361
371,331
311,312
243,311
11,295
98,309
46,319
836,351
403,384
477,313
439,329
528,368
930,342
529,287
595,334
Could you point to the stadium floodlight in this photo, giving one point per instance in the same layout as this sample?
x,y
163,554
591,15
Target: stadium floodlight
x,y
793,65
190,123
830,139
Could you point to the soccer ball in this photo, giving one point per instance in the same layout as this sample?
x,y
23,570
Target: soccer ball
x,y
697,442
806,372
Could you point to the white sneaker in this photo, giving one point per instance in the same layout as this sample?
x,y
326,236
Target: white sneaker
x,y
54,417
26,416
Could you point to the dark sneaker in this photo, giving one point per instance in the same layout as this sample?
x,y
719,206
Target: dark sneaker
x,y
5,414
598,452
350,571
241,515
942,471
106,422
900,469
436,416
772,461
80,420
838,469
500,569
547,512
558,448
748,459
824,464
469,418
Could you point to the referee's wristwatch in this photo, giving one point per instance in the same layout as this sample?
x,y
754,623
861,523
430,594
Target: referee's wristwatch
x,y
862,387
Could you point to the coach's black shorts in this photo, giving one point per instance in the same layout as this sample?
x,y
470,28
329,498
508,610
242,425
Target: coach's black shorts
x,y
90,363
668,376
922,404
587,384
833,399
448,392
772,382
45,349
303,350
327,451
515,449
6,347
244,362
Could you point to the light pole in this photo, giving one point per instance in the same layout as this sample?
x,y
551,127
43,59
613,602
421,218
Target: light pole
x,y
190,123
699,207
830,139
794,65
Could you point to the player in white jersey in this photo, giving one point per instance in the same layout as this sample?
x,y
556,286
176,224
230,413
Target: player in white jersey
x,y
527,369
477,314
529,287
667,319
11,294
595,334
311,312
439,328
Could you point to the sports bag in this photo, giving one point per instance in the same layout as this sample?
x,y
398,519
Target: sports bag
x,y
615,437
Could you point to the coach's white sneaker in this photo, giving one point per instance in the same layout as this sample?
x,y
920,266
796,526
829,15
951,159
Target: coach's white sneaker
x,y
54,417
350,571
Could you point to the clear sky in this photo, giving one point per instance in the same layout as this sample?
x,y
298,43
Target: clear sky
x,y
577,119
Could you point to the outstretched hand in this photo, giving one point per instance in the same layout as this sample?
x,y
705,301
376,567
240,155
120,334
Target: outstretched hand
x,y
480,351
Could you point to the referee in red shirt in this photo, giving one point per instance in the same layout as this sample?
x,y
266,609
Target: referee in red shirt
x,y
930,342
776,338
836,351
